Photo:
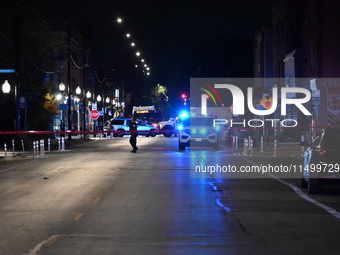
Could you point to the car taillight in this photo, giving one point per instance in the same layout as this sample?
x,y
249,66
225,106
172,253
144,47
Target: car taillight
x,y
322,155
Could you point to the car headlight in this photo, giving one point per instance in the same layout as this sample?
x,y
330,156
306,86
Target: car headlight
x,y
203,131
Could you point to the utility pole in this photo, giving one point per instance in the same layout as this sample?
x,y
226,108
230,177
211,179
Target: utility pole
x,y
69,119
17,66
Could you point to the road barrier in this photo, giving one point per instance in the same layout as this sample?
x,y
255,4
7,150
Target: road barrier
x,y
275,148
245,147
35,154
13,147
5,149
22,145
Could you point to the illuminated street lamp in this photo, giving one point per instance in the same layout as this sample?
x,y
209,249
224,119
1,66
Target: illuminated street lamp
x,y
6,87
99,98
88,94
62,87
137,53
119,20
78,90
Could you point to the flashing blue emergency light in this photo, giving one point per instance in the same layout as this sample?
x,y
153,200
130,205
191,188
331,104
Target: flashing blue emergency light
x,y
184,114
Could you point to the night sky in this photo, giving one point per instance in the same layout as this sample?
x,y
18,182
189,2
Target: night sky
x,y
168,31
177,38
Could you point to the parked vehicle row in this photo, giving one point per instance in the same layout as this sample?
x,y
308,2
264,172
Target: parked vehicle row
x,y
120,127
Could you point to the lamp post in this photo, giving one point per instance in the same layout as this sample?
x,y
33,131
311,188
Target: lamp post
x,y
86,106
78,92
17,65
62,88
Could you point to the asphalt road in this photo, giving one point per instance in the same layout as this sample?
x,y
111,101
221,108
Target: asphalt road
x,y
98,198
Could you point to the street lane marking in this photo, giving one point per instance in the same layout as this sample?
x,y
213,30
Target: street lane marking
x,y
36,249
51,242
96,200
298,191
13,167
78,216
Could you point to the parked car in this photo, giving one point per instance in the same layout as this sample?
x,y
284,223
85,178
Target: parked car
x,y
168,128
321,161
198,131
121,127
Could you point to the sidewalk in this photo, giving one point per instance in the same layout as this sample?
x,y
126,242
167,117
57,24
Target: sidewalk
x,y
54,147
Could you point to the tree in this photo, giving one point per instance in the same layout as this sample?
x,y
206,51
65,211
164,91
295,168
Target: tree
x,y
27,31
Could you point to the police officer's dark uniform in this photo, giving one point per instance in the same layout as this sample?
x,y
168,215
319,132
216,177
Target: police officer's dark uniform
x,y
133,132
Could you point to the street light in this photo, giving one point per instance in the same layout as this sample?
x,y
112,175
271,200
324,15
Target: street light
x,y
6,88
88,94
99,98
62,87
78,90
77,99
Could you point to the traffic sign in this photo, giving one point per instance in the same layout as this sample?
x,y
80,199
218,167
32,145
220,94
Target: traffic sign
x,y
94,114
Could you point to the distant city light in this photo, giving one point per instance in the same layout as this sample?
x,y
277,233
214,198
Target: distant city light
x,y
138,53
133,44
128,35
119,20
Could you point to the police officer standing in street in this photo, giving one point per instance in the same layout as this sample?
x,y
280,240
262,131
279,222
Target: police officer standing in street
x,y
133,136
